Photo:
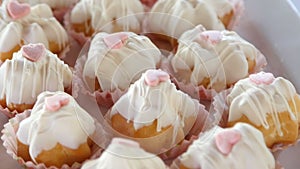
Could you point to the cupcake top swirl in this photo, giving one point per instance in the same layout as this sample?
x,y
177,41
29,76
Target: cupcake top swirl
x,y
50,123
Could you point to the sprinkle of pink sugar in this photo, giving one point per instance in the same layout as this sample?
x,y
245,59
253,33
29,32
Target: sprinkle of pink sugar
x,y
154,77
125,142
262,78
33,52
55,102
212,36
115,40
17,10
226,139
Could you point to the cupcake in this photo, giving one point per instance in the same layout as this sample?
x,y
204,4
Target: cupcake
x,y
114,61
32,70
89,16
213,61
124,153
230,148
56,132
58,7
182,15
270,104
22,24
154,111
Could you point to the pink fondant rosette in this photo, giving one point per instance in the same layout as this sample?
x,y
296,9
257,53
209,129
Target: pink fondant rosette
x,y
209,61
100,140
254,100
111,62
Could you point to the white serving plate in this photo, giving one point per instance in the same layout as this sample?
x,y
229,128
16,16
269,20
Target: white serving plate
x,y
273,26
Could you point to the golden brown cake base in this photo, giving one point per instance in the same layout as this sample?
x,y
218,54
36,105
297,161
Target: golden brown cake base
x,y
289,127
18,107
163,42
226,19
9,54
120,124
23,151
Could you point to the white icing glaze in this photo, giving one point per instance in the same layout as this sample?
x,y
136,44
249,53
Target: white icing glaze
x,y
23,80
55,4
224,62
43,129
181,15
126,155
102,13
114,67
256,102
250,152
22,31
143,104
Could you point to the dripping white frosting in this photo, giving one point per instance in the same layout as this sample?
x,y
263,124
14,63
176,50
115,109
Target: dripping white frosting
x,y
129,14
126,154
143,104
38,26
220,56
23,80
181,15
69,126
118,68
250,151
257,101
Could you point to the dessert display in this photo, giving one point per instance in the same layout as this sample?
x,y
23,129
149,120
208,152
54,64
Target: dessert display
x,y
89,16
229,148
182,15
270,104
56,132
124,153
22,24
32,70
142,84
213,60
154,108
110,58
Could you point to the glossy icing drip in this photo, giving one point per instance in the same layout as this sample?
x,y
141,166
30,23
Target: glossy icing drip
x,y
22,79
37,26
257,101
43,129
113,67
249,151
143,104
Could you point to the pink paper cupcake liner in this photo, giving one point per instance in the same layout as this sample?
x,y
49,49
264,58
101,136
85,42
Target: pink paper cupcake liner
x,y
238,10
10,143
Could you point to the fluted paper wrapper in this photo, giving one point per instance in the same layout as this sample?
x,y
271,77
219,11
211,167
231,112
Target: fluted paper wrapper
x,y
10,143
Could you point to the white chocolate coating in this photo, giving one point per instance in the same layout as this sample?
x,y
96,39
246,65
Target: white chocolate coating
x,y
54,4
125,154
181,15
118,68
250,152
223,59
38,26
23,80
256,102
143,104
102,13
43,129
